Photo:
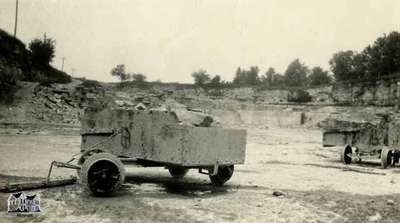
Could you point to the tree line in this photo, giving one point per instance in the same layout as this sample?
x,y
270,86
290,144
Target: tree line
x,y
380,59
296,75
374,62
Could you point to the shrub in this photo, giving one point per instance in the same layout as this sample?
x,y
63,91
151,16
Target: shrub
x,y
138,78
42,51
50,75
90,83
299,96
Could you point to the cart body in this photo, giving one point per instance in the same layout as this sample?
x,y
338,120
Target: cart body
x,y
158,136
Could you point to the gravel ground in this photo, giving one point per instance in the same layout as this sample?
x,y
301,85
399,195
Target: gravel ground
x,y
288,177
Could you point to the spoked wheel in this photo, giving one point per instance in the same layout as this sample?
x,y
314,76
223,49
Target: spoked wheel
x,y
345,154
178,172
102,174
224,174
386,157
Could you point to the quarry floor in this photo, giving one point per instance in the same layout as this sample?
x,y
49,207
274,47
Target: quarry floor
x,y
314,185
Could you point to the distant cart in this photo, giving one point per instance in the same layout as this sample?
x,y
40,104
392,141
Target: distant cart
x,y
376,138
112,138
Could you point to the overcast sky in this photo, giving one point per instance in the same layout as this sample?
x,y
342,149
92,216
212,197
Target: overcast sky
x,y
168,40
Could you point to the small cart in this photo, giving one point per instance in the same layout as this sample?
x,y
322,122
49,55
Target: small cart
x,y
376,138
151,138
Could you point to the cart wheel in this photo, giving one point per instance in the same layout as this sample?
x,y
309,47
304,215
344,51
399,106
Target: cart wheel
x,y
396,157
358,154
386,157
344,155
224,174
102,174
85,155
178,172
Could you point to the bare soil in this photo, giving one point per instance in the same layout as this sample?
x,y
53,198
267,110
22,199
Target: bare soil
x,y
313,185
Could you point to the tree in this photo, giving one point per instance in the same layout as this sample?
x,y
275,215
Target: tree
x,y
278,80
239,77
200,77
383,57
268,77
246,77
272,79
319,77
296,74
119,72
252,76
342,65
350,65
216,80
138,77
360,65
42,51
377,60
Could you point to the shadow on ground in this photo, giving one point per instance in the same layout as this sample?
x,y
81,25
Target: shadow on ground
x,y
190,187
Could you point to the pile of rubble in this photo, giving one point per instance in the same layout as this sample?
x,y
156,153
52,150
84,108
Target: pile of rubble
x,y
65,104
187,115
138,101
55,105
153,99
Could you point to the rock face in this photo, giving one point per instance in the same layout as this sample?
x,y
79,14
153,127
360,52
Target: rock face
x,y
382,93
64,103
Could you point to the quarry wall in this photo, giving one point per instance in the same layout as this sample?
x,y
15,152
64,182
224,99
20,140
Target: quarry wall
x,y
375,93
380,93
63,103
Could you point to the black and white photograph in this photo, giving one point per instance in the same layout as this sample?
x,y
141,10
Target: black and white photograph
x,y
199,111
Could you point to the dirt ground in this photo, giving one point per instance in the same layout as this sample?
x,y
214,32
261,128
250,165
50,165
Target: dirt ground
x,y
315,186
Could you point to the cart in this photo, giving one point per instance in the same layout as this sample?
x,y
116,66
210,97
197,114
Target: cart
x,y
112,139
360,140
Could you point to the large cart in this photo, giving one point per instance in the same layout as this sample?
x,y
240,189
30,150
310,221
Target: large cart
x,y
112,138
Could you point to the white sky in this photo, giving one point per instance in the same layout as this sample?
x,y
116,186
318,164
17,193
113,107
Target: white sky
x,y
168,40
